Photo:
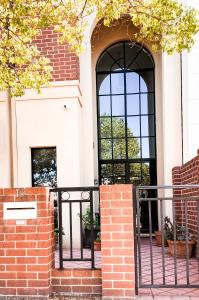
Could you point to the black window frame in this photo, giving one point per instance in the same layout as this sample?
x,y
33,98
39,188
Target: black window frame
x,y
127,161
32,149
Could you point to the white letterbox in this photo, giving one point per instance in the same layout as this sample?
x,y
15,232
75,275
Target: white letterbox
x,y
19,210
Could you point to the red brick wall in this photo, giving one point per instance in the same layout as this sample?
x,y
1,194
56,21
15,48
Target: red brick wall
x,y
65,64
76,281
26,251
187,174
117,238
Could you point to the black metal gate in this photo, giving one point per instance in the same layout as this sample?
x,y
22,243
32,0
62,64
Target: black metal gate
x,y
76,205
161,263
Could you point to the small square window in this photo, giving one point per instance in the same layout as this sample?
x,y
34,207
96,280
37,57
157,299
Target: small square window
x,y
44,167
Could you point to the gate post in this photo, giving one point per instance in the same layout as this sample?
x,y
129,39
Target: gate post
x,y
117,241
26,244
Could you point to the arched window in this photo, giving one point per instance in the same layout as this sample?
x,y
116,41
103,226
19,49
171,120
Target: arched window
x,y
126,115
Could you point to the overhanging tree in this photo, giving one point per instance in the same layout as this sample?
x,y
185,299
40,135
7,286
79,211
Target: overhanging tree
x,y
165,23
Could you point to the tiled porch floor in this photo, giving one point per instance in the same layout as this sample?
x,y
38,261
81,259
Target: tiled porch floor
x,y
146,270
157,266
78,264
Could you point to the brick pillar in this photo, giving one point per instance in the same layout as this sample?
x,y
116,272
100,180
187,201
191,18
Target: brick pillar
x,y
117,238
26,246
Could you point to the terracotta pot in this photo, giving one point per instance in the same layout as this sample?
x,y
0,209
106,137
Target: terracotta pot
x,y
97,246
181,248
158,237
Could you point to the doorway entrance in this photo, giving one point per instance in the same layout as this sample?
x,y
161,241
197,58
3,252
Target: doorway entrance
x,y
126,119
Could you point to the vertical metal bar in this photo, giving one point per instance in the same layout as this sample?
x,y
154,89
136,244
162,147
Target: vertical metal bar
x,y
138,238
71,230
92,232
163,241
81,229
60,230
186,241
151,241
135,237
174,229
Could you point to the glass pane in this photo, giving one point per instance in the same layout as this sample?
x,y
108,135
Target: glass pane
x,y
133,124
119,169
148,147
133,105
103,84
107,180
118,125
104,63
106,149
118,66
131,52
147,125
117,105
44,168
119,179
147,104
117,83
145,174
145,60
106,170
135,173
117,53
133,148
119,149
147,82
132,82
105,127
143,86
105,107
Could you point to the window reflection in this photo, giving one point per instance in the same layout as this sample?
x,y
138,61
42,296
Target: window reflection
x,y
105,127
132,82
133,148
105,106
44,167
133,107
118,125
133,124
104,84
119,149
106,149
117,83
126,115
148,147
118,105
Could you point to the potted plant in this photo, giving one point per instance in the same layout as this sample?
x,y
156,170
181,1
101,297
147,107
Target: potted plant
x,y
97,242
56,234
89,222
168,232
179,247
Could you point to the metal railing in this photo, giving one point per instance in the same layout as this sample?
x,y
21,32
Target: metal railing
x,y
71,204
164,266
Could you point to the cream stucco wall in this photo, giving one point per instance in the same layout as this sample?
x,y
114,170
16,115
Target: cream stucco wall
x,y
191,96
168,101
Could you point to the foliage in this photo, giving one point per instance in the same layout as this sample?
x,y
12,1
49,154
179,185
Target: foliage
x,y
181,231
44,167
56,231
119,144
98,238
164,23
168,229
88,220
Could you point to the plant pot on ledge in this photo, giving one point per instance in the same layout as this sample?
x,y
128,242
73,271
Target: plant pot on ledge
x,y
97,246
158,237
181,248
